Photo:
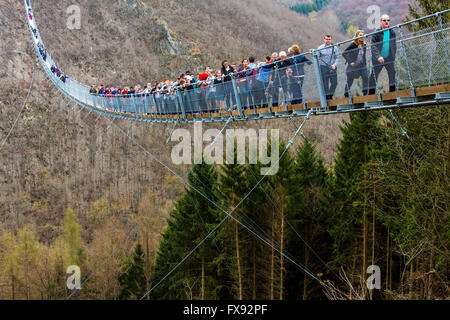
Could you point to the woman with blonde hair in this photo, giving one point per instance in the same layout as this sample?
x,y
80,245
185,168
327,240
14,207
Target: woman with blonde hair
x,y
355,55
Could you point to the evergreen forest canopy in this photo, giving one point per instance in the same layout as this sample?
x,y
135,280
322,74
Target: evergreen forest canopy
x,y
308,7
381,204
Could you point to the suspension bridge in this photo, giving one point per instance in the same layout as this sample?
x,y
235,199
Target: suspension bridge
x,y
422,78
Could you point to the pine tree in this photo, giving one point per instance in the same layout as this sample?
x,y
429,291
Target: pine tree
x,y
72,239
193,218
257,213
417,194
171,250
132,280
310,205
280,188
349,226
428,7
233,187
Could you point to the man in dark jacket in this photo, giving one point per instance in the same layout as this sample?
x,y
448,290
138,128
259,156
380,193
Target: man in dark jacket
x,y
384,49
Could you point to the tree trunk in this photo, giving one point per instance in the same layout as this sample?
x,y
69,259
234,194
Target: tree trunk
x,y
281,254
364,257
373,232
448,144
27,279
254,269
272,267
203,279
411,280
147,263
238,260
305,279
387,260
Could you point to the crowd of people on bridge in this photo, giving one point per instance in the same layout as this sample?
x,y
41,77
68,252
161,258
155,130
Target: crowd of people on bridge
x,y
43,51
58,73
255,79
283,72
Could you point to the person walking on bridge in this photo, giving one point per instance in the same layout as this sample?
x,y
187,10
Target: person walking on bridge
x,y
355,55
384,49
329,60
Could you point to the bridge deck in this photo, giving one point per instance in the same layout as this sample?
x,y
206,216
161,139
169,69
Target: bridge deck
x,y
425,95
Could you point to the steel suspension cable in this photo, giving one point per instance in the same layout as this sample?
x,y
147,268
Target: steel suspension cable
x,y
229,215
21,109
263,234
133,231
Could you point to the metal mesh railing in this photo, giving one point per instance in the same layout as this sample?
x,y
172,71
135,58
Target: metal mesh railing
x,y
421,59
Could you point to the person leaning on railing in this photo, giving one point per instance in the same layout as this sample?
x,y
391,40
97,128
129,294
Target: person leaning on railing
x,y
202,79
262,82
243,72
226,72
355,55
275,85
101,91
211,90
290,85
220,90
384,49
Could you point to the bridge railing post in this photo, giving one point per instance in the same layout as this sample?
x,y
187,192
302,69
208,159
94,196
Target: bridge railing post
x,y
181,104
430,70
319,79
236,95
134,97
402,44
157,108
279,86
441,25
165,107
146,99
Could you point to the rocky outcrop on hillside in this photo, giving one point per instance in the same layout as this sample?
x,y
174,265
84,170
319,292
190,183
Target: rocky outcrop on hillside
x,y
165,44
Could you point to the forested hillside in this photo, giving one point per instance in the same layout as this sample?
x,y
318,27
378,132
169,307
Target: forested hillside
x,y
76,190
351,12
312,229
